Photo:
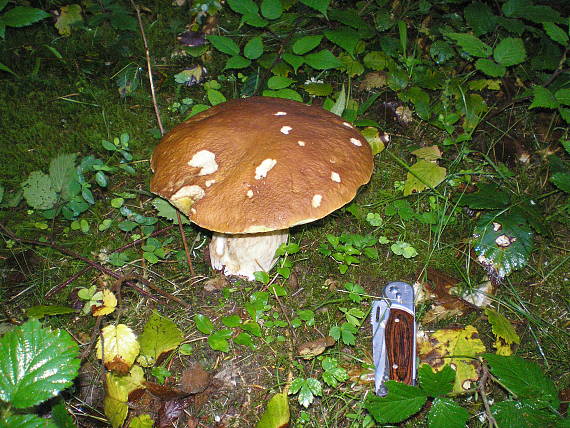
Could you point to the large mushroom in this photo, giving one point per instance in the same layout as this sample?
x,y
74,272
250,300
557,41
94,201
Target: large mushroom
x,y
249,169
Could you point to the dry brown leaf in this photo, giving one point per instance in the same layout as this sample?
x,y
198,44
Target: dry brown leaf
x,y
313,348
194,379
372,80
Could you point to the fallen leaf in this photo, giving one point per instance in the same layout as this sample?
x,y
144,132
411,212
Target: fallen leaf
x,y
372,80
276,414
316,347
69,16
430,153
121,347
170,412
194,379
160,335
164,392
215,284
456,348
423,175
504,331
108,305
117,390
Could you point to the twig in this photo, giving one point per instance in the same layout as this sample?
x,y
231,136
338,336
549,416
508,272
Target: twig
x,y
86,269
149,68
97,266
188,258
481,389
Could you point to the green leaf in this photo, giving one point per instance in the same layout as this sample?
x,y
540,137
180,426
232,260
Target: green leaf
x,y
166,209
41,311
510,51
254,48
276,414
62,171
101,179
254,20
446,413
562,181
279,82
215,97
69,17
294,60
523,414
563,96
231,321
141,421
244,339
436,383
502,327
340,103
237,62
319,5
556,33
401,402
490,67
243,7
160,335
543,98
488,197
307,389
503,242
471,44
3,4
322,60
271,9
61,416
36,363
224,44
203,324
39,192
22,16
218,340
441,51
533,385
286,93
422,175
480,17
525,9
345,37
306,44
318,89
375,60
26,421
4,67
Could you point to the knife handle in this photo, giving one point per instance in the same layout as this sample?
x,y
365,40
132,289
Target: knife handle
x,y
400,346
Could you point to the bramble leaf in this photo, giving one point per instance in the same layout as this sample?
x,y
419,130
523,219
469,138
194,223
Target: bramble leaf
x,y
436,383
401,402
510,51
446,413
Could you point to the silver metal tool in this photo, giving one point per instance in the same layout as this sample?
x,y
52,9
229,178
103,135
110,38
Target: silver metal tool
x,y
394,336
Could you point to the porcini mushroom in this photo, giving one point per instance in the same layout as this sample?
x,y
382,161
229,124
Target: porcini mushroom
x,y
249,169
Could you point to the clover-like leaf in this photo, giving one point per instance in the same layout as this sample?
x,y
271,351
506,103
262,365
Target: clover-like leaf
x,y
36,363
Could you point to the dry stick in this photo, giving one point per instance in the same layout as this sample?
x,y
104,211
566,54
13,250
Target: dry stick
x,y
481,388
97,266
157,113
86,269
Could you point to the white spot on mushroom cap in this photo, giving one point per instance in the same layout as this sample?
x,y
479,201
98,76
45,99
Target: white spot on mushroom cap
x,y
356,141
264,167
249,193
301,143
193,210
205,160
193,192
280,113
286,129
348,125
316,202
208,183
335,177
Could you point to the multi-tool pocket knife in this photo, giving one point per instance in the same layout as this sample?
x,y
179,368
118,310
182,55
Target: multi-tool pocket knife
x,y
394,336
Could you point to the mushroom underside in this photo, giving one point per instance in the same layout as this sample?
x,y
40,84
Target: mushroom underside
x,y
244,254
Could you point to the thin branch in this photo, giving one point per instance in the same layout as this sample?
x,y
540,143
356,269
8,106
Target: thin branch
x,y
481,389
149,68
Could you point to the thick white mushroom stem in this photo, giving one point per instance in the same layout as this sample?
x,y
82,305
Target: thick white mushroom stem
x,y
244,254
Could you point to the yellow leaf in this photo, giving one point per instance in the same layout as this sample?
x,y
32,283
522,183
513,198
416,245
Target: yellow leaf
x,y
108,306
69,16
457,348
503,348
423,174
121,347
430,153
117,390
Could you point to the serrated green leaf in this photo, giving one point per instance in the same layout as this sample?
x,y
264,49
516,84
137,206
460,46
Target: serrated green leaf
x,y
480,17
488,197
423,175
510,51
253,48
563,96
237,62
490,68
203,324
471,44
271,9
21,16
224,44
307,389
562,181
243,7
276,414
160,335
41,311
215,97
441,51
345,37
218,340
502,327
306,44
401,402
525,9
36,363
62,171
319,5
533,385
436,383
39,192
26,421
167,210
322,60
523,414
446,413
503,242
556,33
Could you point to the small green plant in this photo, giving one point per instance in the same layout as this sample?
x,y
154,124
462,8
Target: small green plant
x,y
41,363
347,248
307,389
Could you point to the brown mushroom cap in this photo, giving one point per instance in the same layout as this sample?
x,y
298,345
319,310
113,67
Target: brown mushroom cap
x,y
260,164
